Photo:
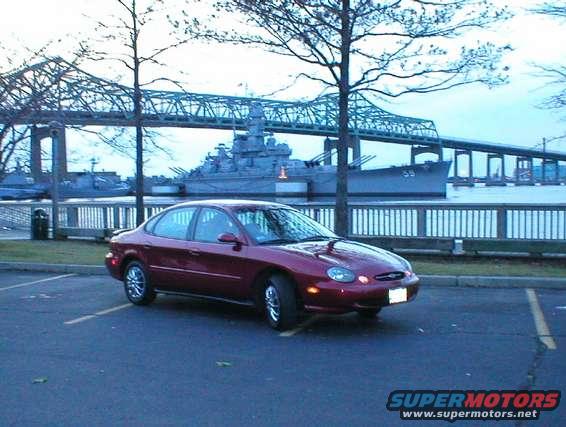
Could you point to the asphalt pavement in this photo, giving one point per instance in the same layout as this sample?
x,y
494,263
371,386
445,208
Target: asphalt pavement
x,y
74,352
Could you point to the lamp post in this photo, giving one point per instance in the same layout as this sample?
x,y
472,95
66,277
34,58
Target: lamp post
x,y
55,131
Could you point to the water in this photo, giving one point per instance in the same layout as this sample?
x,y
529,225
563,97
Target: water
x,y
544,194
479,194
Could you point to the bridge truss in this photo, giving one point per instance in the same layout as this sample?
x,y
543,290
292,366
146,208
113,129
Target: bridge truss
x,y
79,98
57,90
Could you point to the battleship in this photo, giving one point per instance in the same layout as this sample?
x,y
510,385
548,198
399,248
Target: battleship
x,y
18,185
256,166
92,184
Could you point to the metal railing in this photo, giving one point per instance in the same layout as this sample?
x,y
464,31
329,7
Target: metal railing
x,y
487,221
14,216
403,220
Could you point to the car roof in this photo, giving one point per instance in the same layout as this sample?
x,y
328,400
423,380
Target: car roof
x,y
233,203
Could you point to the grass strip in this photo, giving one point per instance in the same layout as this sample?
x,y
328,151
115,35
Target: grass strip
x,y
87,252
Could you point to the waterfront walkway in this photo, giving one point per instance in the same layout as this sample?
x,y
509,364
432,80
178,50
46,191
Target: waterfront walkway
x,y
9,234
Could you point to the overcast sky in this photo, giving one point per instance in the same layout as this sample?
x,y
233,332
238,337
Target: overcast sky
x,y
507,114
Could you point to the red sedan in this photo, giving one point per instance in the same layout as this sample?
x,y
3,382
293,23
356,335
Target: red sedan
x,y
257,253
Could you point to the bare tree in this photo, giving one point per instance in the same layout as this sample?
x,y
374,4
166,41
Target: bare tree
x,y
555,8
555,75
389,48
130,29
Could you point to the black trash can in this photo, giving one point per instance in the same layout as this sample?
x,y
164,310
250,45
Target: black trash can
x,y
39,225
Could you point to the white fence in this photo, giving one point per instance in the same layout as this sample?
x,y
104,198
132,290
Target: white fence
x,y
404,220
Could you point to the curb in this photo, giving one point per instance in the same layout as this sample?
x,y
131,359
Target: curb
x,y
54,268
426,280
494,282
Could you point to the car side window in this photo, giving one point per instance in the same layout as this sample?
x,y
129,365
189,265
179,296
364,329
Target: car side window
x,y
256,224
175,223
211,223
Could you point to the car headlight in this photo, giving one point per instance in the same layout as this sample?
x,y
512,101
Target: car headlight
x,y
341,274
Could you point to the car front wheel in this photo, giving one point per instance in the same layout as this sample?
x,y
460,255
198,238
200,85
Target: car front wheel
x,y
280,303
136,284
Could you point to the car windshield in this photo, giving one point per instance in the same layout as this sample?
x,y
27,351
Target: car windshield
x,y
281,225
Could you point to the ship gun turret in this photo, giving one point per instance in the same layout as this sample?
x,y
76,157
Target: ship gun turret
x,y
357,163
318,159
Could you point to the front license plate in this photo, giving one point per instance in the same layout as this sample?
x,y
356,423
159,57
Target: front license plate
x,y
397,295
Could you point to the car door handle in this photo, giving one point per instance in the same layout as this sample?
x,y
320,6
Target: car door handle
x,y
193,252
146,246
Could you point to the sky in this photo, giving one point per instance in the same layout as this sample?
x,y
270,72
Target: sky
x,y
508,114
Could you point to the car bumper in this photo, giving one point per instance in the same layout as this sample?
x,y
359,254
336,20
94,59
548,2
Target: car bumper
x,y
338,298
112,262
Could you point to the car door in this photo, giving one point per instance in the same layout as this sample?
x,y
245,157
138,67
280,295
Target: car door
x,y
221,267
170,259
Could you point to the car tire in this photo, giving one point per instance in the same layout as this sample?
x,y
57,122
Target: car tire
x,y
368,313
136,284
280,302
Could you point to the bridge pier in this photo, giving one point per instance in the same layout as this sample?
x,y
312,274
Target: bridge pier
x,y
330,144
463,181
37,135
492,181
524,171
421,149
550,180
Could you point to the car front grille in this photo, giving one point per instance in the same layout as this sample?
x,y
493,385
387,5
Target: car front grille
x,y
390,276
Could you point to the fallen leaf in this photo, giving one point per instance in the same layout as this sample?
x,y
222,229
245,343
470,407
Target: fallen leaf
x,y
223,364
421,330
39,380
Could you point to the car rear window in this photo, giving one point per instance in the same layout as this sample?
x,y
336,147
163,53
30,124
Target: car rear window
x,y
174,224
151,223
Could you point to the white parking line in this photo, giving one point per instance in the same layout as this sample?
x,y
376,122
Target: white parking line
x,y
98,313
80,319
35,282
540,323
302,326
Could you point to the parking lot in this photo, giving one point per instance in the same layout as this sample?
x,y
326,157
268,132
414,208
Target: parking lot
x,y
74,352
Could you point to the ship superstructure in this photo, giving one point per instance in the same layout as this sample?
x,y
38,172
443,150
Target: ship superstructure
x,y
256,165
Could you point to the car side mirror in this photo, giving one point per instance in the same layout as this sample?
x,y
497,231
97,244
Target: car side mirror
x,y
230,238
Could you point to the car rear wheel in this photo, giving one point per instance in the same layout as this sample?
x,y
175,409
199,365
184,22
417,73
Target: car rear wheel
x,y
368,313
136,284
280,302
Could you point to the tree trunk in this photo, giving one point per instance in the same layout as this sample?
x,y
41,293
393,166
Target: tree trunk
x,y
138,121
139,153
341,209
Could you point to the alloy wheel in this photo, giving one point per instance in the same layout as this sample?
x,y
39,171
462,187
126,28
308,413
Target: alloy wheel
x,y
272,303
135,282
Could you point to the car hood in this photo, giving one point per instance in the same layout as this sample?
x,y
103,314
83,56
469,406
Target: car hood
x,y
346,253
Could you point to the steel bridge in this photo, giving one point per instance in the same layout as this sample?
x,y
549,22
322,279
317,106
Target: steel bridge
x,y
57,90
